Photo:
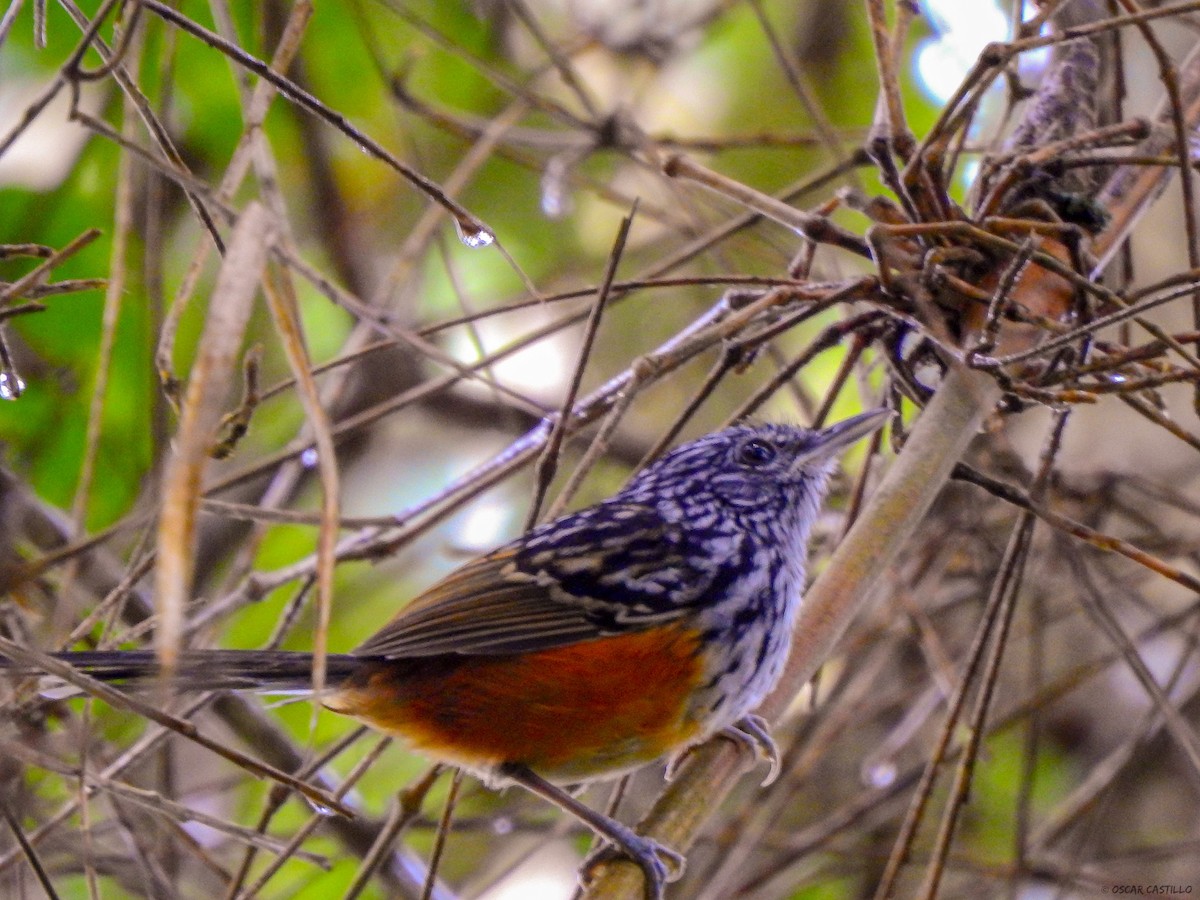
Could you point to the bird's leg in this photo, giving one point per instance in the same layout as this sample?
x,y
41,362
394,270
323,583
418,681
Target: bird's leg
x,y
752,734
659,864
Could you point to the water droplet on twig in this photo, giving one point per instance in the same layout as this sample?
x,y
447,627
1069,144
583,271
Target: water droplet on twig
x,y
474,233
321,809
11,386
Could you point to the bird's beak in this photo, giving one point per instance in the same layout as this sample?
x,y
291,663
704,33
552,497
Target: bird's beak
x,y
835,438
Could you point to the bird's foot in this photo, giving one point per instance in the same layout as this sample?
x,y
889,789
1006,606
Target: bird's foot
x,y
659,864
751,734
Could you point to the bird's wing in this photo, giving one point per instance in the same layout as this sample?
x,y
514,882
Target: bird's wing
x,y
606,570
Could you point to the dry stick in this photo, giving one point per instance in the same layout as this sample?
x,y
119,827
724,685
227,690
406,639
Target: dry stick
x,y
1180,729
829,137
282,303
683,255
123,223
1003,598
844,370
138,567
814,227
1131,189
276,799
908,489
998,609
561,63
31,307
70,72
548,461
1133,386
124,32
643,373
284,480
229,311
416,248
8,373
899,136
1097,539
498,76
1161,419
86,825
38,251
6,22
443,831
1100,777
31,279
402,814
827,339
253,116
587,409
285,310
1168,74
147,799
249,512
1038,622
35,109
623,287
29,853
723,366
890,136
471,228
244,716
42,662
302,833
1070,337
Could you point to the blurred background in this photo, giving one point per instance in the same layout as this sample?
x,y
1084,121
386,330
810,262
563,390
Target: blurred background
x,y
437,364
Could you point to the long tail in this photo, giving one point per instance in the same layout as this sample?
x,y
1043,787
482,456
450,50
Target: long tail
x,y
205,670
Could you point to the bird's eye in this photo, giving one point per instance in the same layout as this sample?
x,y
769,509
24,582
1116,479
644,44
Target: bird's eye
x,y
756,452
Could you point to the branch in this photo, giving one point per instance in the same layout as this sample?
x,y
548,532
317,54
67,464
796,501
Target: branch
x,y
896,509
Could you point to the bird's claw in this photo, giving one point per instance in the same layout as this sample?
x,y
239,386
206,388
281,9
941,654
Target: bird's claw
x,y
750,733
754,734
659,864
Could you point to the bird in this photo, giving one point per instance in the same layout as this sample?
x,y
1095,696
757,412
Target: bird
x,y
616,635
